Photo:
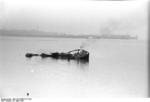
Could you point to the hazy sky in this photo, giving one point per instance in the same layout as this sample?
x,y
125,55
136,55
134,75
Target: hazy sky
x,y
76,17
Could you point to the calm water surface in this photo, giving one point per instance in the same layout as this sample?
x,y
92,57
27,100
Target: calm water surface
x,y
117,68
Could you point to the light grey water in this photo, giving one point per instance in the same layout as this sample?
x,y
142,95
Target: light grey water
x,y
117,68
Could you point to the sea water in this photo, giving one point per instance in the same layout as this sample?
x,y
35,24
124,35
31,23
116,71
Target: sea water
x,y
116,68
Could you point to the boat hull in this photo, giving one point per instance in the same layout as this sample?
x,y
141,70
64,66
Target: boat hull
x,y
83,55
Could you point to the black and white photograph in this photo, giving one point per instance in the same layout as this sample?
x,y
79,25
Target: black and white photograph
x,y
74,49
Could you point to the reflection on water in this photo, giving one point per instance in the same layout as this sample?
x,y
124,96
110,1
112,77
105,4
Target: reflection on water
x,y
82,64
79,63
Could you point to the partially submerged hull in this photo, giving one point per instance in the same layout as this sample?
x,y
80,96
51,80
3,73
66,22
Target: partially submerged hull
x,y
77,54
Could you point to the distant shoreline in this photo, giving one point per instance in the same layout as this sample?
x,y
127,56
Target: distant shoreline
x,y
45,36
35,33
